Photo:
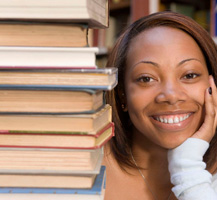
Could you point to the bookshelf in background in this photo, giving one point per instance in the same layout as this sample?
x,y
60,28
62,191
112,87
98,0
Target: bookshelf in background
x,y
123,12
119,17
197,10
213,20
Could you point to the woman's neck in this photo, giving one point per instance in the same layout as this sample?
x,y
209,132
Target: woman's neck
x,y
153,162
148,153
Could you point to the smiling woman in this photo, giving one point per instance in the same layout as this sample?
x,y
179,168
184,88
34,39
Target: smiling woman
x,y
163,107
154,98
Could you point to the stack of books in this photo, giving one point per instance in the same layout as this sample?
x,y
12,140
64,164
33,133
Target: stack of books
x,y
54,120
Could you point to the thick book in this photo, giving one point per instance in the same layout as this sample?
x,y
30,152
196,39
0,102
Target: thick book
x,y
43,35
50,161
56,123
103,78
57,140
48,57
51,101
96,192
95,12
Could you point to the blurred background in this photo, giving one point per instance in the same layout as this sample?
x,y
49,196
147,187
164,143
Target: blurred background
x,y
124,12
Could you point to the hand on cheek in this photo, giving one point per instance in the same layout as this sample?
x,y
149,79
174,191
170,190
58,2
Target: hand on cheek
x,y
208,128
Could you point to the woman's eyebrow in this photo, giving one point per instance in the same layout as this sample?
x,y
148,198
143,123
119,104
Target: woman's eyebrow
x,y
188,59
147,62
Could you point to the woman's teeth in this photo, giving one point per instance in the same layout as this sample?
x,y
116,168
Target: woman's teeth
x,y
172,119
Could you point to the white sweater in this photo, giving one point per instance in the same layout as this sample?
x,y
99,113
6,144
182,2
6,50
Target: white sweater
x,y
190,179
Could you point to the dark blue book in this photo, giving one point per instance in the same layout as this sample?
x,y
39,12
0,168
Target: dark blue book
x,y
94,193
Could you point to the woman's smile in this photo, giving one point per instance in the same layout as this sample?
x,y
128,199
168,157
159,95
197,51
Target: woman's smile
x,y
172,119
172,122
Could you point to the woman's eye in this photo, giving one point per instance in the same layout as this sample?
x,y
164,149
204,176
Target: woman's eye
x,y
191,76
145,79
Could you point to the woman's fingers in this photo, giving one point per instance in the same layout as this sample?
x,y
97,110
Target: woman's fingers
x,y
214,97
207,130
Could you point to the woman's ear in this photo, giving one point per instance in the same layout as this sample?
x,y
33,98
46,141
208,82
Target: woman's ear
x,y
123,99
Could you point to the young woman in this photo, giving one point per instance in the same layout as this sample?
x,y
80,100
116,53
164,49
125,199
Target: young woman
x,y
164,110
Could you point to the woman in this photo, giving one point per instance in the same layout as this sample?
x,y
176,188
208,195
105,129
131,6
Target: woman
x,y
164,110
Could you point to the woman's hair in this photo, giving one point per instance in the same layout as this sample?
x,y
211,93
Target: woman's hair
x,y
120,144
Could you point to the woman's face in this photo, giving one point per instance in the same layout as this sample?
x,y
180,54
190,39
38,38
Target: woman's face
x,y
165,84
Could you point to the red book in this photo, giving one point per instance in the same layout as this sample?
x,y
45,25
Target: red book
x,y
71,140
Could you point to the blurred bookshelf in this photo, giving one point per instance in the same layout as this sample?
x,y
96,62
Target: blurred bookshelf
x,y
197,10
124,12
119,18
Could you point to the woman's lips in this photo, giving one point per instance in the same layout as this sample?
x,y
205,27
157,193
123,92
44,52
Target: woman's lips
x,y
173,122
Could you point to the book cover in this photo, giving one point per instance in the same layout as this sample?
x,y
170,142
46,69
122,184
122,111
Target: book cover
x,y
57,140
51,101
94,193
102,79
50,161
64,123
47,57
94,13
43,34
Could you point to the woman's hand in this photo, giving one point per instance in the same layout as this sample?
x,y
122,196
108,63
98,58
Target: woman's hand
x,y
208,128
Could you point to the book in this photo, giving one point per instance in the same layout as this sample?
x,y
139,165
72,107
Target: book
x,y
43,35
57,140
52,123
47,180
50,161
95,193
48,57
94,12
102,79
51,101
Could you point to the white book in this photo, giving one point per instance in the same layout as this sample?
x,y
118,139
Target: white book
x,y
94,12
48,57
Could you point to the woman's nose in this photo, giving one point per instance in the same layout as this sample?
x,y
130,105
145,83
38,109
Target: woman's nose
x,y
171,93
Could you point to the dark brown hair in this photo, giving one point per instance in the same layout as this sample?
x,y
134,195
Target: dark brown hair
x,y
120,145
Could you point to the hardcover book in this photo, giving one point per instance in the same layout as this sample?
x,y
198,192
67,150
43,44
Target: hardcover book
x,y
51,101
50,161
103,79
57,140
95,12
47,57
51,123
47,180
96,192
43,34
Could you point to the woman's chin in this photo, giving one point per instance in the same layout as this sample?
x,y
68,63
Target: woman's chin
x,y
171,144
